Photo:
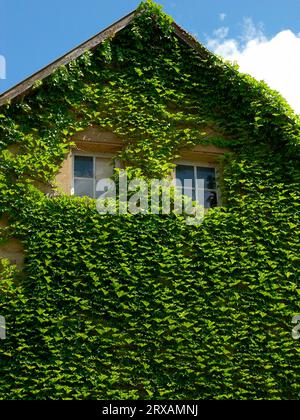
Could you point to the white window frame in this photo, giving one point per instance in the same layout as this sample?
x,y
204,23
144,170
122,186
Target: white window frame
x,y
200,164
94,156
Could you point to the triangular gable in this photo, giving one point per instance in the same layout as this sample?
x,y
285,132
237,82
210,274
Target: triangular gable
x,y
88,45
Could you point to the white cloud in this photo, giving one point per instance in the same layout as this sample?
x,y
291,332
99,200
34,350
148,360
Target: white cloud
x,y
221,33
251,31
222,16
275,60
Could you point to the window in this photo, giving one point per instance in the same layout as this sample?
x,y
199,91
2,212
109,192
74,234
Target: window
x,y
199,183
88,170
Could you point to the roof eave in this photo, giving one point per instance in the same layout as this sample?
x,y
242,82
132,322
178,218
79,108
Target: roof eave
x,y
92,43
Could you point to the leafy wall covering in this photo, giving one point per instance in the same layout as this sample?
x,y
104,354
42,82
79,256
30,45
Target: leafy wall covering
x,y
146,307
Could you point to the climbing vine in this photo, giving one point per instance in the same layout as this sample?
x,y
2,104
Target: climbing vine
x,y
146,307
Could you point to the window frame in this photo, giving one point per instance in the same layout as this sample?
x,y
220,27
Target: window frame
x,y
200,164
194,164
94,156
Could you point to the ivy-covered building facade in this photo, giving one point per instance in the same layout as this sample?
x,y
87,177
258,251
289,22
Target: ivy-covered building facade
x,y
146,306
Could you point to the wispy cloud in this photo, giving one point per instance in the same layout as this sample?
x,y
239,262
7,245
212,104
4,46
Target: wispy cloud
x,y
222,16
250,30
275,60
221,33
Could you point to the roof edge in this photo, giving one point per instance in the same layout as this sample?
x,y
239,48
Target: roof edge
x,y
76,52
88,45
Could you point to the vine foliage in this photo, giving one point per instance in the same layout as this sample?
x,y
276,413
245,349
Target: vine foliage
x,y
146,307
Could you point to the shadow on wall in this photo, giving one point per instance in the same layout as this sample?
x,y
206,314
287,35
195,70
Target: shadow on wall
x,y
12,249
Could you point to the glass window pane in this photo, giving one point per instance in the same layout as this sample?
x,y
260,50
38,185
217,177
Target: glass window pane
x,y
185,173
104,168
210,199
84,187
83,167
190,193
209,176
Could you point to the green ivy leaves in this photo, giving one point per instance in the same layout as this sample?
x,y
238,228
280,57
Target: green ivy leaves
x,y
146,307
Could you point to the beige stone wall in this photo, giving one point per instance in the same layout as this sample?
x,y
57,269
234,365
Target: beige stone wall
x,y
64,177
14,252
209,154
95,139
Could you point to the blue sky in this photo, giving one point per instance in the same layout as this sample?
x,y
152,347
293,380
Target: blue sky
x,y
33,32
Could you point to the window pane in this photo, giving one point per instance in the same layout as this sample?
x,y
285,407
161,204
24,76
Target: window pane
x,y
83,167
210,199
185,173
209,176
188,192
84,187
104,168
